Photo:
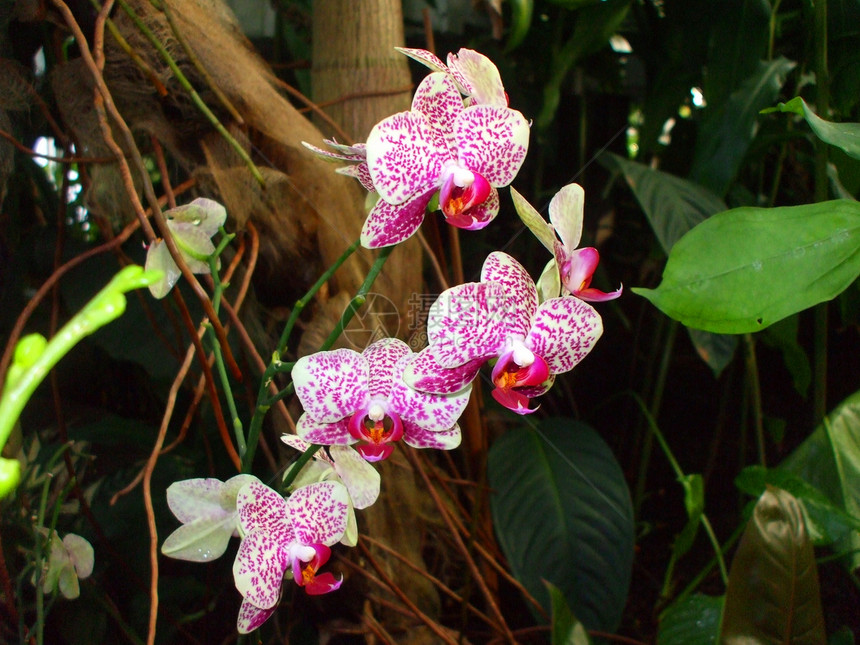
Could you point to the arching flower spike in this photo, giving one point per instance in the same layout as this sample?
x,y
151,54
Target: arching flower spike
x,y
350,397
575,266
500,318
281,537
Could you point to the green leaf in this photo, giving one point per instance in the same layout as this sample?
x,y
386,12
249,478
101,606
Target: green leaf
x,y
829,460
562,513
566,629
744,269
782,335
842,135
773,594
694,620
717,350
826,521
672,205
726,133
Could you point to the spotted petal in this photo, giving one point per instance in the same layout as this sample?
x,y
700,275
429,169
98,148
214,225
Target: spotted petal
x,y
479,77
433,412
258,570
358,171
389,224
382,358
251,617
420,438
566,214
468,322
318,513
426,375
405,156
424,57
522,298
361,479
331,385
564,331
438,99
492,141
263,509
324,434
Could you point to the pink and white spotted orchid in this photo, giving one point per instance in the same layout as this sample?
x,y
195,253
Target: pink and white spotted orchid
x,y
289,537
351,397
207,510
464,153
575,266
500,318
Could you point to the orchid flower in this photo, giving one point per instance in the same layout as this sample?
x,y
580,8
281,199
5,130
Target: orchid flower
x,y
71,559
207,510
576,266
351,397
192,227
342,464
500,318
281,537
464,153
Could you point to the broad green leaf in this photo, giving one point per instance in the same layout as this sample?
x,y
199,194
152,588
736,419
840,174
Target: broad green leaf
x,y
716,350
521,20
773,594
825,520
726,132
562,513
694,620
842,135
744,269
566,629
829,460
672,205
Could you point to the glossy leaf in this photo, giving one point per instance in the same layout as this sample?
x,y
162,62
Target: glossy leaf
x,y
562,513
842,135
826,521
747,268
694,620
727,132
566,629
829,460
773,594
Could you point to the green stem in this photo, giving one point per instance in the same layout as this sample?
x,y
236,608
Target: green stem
x,y
695,582
679,474
302,302
238,429
263,401
755,397
296,468
652,411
